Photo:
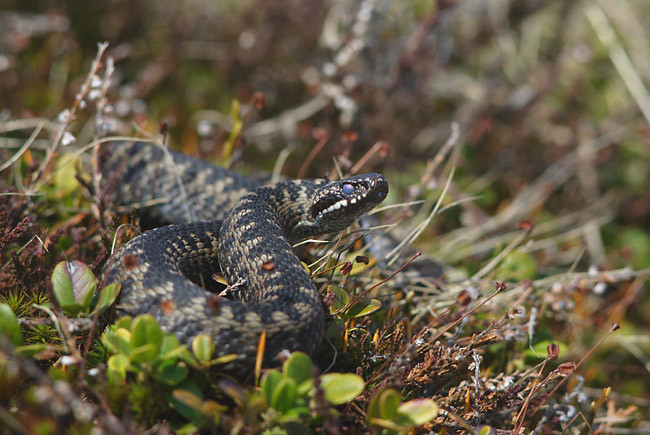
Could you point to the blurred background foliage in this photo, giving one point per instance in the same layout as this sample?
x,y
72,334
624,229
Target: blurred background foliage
x,y
528,81
551,91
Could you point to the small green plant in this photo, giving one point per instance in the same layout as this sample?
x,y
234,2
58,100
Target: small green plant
x,y
74,285
290,391
289,396
203,349
10,331
347,308
387,412
293,397
140,346
9,325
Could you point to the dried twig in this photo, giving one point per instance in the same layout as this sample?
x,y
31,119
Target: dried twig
x,y
67,117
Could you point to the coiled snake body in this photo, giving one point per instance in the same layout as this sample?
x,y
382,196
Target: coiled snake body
x,y
247,238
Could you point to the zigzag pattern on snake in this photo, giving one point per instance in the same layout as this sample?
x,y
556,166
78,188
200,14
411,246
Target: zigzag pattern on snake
x,y
245,232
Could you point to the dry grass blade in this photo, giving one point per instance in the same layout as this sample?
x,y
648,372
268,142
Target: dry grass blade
x,y
23,148
530,197
619,58
498,258
419,228
70,115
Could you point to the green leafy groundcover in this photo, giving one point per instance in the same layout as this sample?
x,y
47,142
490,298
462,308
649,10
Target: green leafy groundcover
x,y
137,350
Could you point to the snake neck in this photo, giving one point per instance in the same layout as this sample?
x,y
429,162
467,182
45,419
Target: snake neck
x,y
254,246
291,202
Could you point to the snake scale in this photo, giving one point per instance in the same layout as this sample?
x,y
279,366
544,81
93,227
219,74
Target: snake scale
x,y
240,229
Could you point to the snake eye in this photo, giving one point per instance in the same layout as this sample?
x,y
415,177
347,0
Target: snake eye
x,y
348,189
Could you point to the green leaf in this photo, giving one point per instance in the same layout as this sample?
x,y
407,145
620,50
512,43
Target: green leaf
x,y
487,430
341,387
187,400
284,395
278,430
63,289
298,367
364,307
65,181
171,372
387,424
538,350
203,347
73,284
299,409
360,267
171,349
389,401
373,408
186,356
30,350
9,325
124,322
117,340
169,346
146,332
270,380
145,353
341,298
107,296
383,405
117,366
224,359
235,391
417,412
335,331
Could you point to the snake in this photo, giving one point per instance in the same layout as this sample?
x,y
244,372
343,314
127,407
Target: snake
x,y
224,222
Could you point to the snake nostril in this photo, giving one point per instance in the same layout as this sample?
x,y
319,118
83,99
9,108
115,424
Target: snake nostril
x,y
379,191
381,188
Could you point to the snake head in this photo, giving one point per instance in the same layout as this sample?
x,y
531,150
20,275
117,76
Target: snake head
x,y
337,204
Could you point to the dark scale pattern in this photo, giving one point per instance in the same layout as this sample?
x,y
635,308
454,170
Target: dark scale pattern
x,y
159,270
145,174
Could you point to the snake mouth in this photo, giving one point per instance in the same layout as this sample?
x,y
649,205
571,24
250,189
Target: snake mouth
x,y
349,198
